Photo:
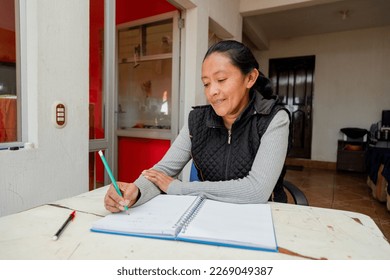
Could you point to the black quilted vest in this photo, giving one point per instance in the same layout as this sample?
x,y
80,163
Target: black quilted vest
x,y
221,155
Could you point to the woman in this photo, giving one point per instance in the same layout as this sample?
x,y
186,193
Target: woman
x,y
238,143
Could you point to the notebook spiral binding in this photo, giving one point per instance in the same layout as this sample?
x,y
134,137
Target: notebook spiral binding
x,y
193,213
189,214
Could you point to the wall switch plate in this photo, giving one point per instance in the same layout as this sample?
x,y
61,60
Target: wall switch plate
x,y
60,114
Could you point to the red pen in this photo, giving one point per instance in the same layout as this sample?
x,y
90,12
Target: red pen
x,y
68,220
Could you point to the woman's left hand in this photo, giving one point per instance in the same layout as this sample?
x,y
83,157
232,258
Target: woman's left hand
x,y
160,179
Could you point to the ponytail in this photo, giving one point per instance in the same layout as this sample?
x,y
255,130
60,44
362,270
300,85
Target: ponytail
x,y
264,86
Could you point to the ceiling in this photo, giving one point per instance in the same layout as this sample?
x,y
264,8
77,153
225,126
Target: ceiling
x,y
319,19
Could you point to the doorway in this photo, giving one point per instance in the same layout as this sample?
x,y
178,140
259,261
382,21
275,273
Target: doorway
x,y
105,17
293,80
147,91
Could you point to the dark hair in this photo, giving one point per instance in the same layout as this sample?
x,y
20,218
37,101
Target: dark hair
x,y
242,57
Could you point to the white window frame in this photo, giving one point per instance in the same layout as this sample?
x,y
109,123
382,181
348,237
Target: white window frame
x,y
175,55
21,74
107,144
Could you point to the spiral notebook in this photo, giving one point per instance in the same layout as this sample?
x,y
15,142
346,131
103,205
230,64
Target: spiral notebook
x,y
196,219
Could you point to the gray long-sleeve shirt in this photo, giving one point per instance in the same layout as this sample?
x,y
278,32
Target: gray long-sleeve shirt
x,y
256,187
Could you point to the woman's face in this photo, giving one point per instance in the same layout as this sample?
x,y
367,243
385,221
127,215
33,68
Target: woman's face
x,y
226,87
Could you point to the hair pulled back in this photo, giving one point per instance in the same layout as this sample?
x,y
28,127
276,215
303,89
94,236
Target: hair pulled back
x,y
242,57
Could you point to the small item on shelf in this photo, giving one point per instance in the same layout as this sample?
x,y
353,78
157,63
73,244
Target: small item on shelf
x,y
139,125
350,147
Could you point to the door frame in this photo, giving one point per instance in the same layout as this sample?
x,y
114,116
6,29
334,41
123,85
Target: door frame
x,y
292,65
109,85
175,81
174,131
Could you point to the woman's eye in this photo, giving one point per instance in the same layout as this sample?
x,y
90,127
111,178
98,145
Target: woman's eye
x,y
206,85
221,80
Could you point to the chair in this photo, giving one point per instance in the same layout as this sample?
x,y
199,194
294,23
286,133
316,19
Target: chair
x,y
297,195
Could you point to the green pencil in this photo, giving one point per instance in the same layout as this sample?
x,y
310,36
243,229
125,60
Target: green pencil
x,y
111,176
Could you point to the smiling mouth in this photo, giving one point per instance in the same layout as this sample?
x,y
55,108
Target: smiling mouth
x,y
218,102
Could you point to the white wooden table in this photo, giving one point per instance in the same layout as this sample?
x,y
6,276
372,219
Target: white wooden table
x,y
302,232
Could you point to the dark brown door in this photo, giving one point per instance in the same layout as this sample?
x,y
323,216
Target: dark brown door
x,y
292,79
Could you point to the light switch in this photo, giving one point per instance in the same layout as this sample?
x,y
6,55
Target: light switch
x,y
60,114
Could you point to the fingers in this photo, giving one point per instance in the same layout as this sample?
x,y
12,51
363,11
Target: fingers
x,y
113,202
130,193
159,178
150,172
154,176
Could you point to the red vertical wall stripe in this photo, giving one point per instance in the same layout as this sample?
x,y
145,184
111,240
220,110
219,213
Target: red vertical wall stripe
x,y
134,154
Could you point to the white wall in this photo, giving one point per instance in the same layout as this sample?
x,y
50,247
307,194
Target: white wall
x,y
57,70
351,81
228,24
226,14
197,13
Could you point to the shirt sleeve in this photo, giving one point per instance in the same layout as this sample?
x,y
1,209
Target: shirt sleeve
x,y
177,156
258,185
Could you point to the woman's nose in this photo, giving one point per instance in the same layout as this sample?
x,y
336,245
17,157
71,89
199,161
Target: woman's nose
x,y
214,89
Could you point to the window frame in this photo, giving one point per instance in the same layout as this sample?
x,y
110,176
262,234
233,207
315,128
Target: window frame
x,y
165,134
21,70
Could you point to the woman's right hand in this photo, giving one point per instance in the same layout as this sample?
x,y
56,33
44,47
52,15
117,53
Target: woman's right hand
x,y
113,202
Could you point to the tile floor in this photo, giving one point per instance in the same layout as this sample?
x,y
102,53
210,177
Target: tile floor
x,y
341,190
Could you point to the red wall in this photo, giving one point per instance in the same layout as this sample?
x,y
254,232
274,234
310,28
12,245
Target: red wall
x,y
96,66
8,114
151,150
131,10
7,31
7,45
125,11
138,154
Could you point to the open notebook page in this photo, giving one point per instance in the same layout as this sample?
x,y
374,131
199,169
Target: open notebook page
x,y
244,225
156,217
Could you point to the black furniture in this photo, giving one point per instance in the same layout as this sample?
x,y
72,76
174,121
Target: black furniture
x,y
377,156
298,196
351,151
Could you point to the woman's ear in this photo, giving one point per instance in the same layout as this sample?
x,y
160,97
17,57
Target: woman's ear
x,y
252,77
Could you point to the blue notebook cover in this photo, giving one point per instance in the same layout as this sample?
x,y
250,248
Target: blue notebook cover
x,y
197,220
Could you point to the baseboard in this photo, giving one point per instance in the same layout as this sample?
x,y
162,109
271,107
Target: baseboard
x,y
308,163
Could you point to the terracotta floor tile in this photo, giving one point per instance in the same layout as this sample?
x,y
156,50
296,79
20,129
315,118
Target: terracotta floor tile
x,y
381,210
362,190
349,179
347,196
